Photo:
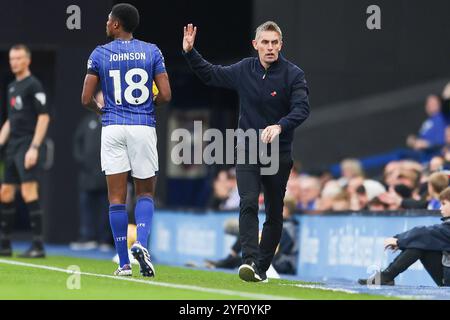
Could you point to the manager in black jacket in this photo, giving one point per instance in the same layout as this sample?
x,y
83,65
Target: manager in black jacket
x,y
274,101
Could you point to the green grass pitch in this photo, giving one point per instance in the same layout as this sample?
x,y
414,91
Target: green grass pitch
x,y
171,283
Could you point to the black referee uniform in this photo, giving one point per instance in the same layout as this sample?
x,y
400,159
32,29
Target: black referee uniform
x,y
278,95
26,101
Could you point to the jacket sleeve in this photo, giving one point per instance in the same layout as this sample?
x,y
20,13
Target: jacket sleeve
x,y
436,237
299,105
213,75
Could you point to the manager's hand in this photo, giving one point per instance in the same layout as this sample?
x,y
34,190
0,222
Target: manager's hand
x,y
270,133
189,37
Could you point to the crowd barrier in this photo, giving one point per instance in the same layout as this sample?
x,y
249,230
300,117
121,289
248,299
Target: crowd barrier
x,y
331,246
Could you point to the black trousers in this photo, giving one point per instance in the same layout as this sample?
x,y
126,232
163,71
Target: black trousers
x,y
249,181
431,260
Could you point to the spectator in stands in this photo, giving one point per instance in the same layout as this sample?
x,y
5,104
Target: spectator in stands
x,y
432,132
329,192
293,188
341,202
233,199
377,205
350,168
365,193
445,105
225,196
436,164
437,182
309,193
220,190
390,174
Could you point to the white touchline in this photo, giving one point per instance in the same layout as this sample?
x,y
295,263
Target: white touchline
x,y
318,287
154,283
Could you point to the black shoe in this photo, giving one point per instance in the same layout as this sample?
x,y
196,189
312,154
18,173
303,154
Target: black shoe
x,y
5,248
249,272
35,251
263,276
379,278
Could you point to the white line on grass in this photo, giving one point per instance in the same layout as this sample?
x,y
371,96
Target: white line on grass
x,y
321,287
154,283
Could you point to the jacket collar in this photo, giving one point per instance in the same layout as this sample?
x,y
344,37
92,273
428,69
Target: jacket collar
x,y
275,65
445,219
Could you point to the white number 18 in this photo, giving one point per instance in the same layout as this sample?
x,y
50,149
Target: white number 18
x,y
141,86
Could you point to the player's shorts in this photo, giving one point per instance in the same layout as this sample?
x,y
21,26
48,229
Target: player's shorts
x,y
15,172
129,148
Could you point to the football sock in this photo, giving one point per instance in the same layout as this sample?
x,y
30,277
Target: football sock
x,y
144,215
118,219
7,213
34,208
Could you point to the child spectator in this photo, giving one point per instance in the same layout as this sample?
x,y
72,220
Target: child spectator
x,y
430,245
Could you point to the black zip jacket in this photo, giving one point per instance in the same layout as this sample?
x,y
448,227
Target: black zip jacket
x,y
435,237
278,95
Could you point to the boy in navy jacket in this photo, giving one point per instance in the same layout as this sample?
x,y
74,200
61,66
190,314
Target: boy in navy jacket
x,y
430,245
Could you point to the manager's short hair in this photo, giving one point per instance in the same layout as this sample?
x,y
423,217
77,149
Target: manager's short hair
x,y
21,46
127,15
268,26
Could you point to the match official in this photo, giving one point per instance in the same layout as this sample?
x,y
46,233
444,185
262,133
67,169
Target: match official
x,y
273,98
24,133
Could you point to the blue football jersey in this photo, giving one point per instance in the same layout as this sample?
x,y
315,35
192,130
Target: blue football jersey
x,y
126,70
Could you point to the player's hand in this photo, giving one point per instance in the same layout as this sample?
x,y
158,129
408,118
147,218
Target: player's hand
x,y
31,158
270,133
391,243
99,108
189,37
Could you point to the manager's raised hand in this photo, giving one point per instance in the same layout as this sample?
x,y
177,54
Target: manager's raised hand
x,y
189,37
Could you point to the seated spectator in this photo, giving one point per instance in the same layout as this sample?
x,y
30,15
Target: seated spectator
x,y
233,199
366,193
400,197
350,168
341,202
377,205
429,244
390,173
436,164
432,131
329,192
437,183
309,193
226,196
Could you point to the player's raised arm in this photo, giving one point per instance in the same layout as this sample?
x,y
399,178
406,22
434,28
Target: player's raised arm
x,y
211,75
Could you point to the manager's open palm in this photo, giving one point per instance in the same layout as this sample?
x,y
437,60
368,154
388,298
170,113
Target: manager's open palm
x,y
189,37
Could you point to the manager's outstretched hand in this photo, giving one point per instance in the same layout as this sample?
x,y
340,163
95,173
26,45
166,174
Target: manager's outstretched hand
x,y
189,37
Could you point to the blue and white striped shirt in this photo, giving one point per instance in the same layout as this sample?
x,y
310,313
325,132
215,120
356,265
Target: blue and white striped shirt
x,y
126,70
